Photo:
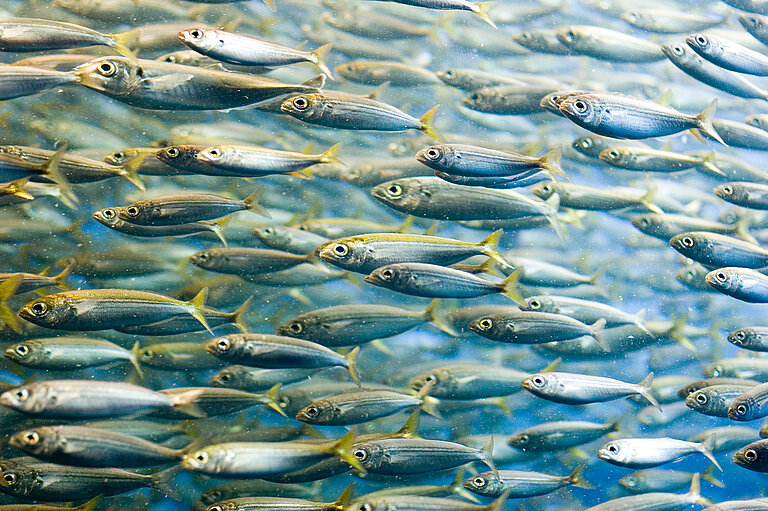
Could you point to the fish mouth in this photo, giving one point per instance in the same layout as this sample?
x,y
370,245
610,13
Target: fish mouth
x,y
372,279
603,454
189,462
24,313
10,353
526,384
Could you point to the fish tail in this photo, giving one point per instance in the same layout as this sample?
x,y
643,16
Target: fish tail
x,y
329,156
576,478
551,367
352,365
342,449
121,41
710,162
426,120
428,403
647,201
706,449
252,203
695,492
17,188
704,122
346,496
130,171
60,280
135,358
509,286
490,246
162,482
645,390
53,172
500,503
186,402
742,229
7,290
551,162
457,487
217,228
411,426
482,11
598,327
487,458
432,314
407,224
88,506
271,399
271,4
709,475
319,58
197,303
237,315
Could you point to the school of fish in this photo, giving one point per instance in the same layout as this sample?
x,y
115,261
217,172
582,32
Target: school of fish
x,y
393,255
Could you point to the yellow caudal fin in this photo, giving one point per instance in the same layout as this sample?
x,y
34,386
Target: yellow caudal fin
x,y
60,280
8,290
490,247
198,303
53,172
121,42
576,478
237,315
342,449
457,486
645,390
271,4
271,399
709,161
488,457
130,171
508,286
432,313
135,359
17,188
426,121
411,427
319,58
551,162
482,11
252,203
88,506
704,120
352,365
346,496
329,156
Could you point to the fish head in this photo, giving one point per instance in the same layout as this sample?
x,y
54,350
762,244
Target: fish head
x,y
108,216
401,193
111,75
14,481
585,110
484,484
698,400
544,190
539,383
205,258
730,192
178,155
221,347
386,276
318,412
25,352
48,310
617,156
588,145
551,102
678,53
226,378
723,279
369,454
752,456
202,460
703,44
25,398
646,223
293,328
685,243
431,378
615,452
438,157
216,155
520,441
33,441
476,99
305,106
742,337
198,38
744,408
571,35
344,253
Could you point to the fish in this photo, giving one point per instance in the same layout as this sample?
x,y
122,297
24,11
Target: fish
x,y
652,452
581,389
521,484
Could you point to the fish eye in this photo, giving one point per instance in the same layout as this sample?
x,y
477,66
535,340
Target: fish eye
x,y
613,154
644,222
430,378
268,230
586,143
678,50
534,304
39,308
741,409
132,211
172,152
546,188
701,399
147,355
611,448
632,17
225,376
750,455
214,153
300,103
364,507
630,481
21,394
387,274
284,401
539,381
702,41
10,478
107,69
340,249
687,241
395,190
312,411
196,33
215,507
580,106
171,59
727,189
717,371
432,153
223,344
721,276
479,481
31,437
523,439
360,454
118,156
296,327
740,335
201,456
108,213
22,350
